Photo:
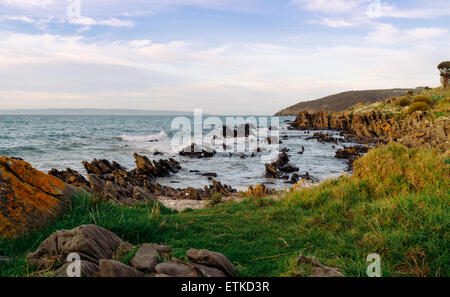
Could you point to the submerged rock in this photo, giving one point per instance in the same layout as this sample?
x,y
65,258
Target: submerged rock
x,y
29,199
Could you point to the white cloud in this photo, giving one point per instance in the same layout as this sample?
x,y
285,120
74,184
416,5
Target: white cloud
x,y
389,34
328,6
19,18
113,22
334,23
140,43
68,71
27,4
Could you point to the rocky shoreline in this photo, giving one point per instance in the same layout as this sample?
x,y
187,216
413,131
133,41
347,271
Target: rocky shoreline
x,y
372,126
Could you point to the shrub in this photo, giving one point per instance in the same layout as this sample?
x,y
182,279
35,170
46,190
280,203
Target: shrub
x,y
424,99
422,106
404,101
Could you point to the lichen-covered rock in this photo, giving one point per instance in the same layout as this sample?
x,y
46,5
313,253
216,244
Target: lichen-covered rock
x,y
90,242
29,199
212,259
416,130
71,177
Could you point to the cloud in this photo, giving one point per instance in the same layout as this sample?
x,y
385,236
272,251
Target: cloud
x,y
27,4
389,34
19,18
112,22
328,6
48,70
334,23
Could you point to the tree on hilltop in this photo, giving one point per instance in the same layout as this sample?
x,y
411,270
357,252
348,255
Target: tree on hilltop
x,y
444,68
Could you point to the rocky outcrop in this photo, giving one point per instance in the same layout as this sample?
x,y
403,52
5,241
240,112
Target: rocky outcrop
x,y
100,251
29,199
71,177
370,126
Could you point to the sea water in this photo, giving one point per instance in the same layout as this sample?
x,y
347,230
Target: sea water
x,y
65,141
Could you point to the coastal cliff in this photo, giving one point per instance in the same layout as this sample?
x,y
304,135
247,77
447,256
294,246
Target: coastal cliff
x,y
387,121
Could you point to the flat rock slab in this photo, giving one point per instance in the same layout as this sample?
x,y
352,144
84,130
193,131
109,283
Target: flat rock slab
x,y
29,199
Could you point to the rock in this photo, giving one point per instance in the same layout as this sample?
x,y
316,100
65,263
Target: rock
x,y
208,271
212,259
271,172
112,268
325,272
29,199
280,166
320,270
210,174
323,137
373,126
352,154
348,152
97,185
71,177
90,242
177,270
194,151
148,256
101,167
88,269
289,169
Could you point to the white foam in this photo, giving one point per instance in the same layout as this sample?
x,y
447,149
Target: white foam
x,y
160,136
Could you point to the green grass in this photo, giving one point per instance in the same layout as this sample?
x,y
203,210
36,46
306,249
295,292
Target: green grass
x,y
395,204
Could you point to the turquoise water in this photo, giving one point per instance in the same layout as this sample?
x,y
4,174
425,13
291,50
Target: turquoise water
x,y
65,141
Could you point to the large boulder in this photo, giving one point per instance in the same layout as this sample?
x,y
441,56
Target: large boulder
x,y
90,242
29,199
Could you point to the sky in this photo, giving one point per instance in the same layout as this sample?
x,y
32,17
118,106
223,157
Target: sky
x,y
222,56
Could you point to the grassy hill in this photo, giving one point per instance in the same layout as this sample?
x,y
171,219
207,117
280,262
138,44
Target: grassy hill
x,y
343,101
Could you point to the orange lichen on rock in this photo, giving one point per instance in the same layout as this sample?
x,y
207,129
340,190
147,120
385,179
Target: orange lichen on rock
x,y
29,199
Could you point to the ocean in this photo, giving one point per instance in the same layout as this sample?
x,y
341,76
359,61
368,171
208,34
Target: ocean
x,y
65,141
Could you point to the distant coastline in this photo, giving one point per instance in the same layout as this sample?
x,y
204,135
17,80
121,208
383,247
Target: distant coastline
x,y
92,112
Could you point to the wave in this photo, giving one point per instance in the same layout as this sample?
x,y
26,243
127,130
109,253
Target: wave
x,y
129,138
